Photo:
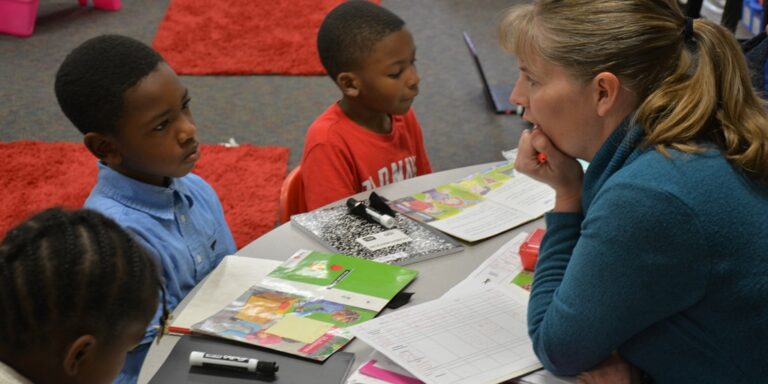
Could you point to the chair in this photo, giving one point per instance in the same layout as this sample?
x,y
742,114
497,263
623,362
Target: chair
x,y
17,17
292,196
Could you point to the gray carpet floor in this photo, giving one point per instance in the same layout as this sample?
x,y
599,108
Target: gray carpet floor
x,y
459,126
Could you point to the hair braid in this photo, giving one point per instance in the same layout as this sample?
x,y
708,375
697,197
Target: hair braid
x,y
66,272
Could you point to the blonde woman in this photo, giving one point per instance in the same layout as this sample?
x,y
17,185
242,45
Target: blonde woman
x,y
658,254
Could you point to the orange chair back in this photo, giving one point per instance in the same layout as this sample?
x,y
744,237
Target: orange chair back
x,y
292,196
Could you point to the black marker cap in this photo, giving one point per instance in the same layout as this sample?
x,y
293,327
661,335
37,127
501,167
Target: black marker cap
x,y
267,367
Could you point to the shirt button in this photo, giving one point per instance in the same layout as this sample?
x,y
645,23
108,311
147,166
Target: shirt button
x,y
199,259
183,219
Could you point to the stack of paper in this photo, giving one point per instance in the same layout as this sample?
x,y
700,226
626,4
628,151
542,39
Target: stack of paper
x,y
476,333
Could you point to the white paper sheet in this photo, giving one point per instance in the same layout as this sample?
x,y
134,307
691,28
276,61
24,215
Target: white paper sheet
x,y
480,337
499,268
233,276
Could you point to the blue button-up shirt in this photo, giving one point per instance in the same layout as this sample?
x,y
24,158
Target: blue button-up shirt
x,y
181,225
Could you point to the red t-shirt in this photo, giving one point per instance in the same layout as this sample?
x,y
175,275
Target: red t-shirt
x,y
342,158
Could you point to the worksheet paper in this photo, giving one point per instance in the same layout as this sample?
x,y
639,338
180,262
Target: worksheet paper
x,y
499,269
475,338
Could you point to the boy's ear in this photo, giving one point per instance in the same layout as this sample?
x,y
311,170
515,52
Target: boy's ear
x,y
77,352
348,83
103,147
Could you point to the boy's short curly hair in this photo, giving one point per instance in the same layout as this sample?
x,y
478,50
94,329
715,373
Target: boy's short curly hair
x,y
350,31
92,80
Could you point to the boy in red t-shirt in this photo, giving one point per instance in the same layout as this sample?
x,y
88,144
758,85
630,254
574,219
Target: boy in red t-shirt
x,y
370,137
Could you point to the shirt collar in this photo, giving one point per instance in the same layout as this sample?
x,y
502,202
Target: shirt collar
x,y
617,151
151,199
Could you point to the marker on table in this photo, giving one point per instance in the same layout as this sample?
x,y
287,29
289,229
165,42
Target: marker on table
x,y
232,363
179,330
385,220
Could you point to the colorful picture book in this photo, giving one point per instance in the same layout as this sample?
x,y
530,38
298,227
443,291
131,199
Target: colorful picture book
x,y
480,206
304,306
406,243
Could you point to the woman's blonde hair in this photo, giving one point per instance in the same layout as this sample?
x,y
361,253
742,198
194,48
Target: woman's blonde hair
x,y
690,86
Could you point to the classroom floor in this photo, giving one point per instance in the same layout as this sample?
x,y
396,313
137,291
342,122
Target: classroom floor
x,y
459,126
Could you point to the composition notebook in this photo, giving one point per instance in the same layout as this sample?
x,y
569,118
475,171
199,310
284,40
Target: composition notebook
x,y
406,243
291,370
481,205
304,306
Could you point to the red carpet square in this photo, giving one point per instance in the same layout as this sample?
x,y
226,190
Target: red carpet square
x,y
241,37
37,175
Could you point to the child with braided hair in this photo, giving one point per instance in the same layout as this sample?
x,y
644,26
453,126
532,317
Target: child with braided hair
x,y
76,295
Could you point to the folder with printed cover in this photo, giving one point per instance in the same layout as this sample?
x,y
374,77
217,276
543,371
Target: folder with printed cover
x,y
304,306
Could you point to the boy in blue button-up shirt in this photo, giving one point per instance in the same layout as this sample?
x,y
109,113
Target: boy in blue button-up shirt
x,y
134,113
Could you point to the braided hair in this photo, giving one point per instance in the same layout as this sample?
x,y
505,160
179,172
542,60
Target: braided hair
x,y
75,272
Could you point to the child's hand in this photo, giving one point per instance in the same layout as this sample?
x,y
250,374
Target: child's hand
x,y
614,370
556,169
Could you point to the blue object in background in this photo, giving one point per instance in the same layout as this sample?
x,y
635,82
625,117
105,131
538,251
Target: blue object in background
x,y
765,78
752,16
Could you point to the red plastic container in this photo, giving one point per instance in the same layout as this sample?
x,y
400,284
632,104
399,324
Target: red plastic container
x,y
529,250
17,17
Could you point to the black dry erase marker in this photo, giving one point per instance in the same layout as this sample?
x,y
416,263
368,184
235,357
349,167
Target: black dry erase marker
x,y
232,363
385,220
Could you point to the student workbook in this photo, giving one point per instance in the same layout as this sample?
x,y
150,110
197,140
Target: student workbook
x,y
481,205
304,306
405,243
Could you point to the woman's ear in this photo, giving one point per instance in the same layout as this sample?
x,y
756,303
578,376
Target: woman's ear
x,y
348,83
78,351
103,147
607,89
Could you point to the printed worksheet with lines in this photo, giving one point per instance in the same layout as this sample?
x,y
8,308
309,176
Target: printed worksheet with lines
x,y
478,337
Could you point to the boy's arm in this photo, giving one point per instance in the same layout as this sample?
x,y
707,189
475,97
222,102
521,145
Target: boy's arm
x,y
422,160
229,247
423,167
328,175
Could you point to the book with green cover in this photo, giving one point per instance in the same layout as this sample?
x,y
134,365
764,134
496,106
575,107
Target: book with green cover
x,y
304,305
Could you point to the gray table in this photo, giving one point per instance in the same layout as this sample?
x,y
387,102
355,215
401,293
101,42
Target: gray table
x,y
436,275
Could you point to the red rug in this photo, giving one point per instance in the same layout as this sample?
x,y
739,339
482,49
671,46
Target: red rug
x,y
243,37
36,175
